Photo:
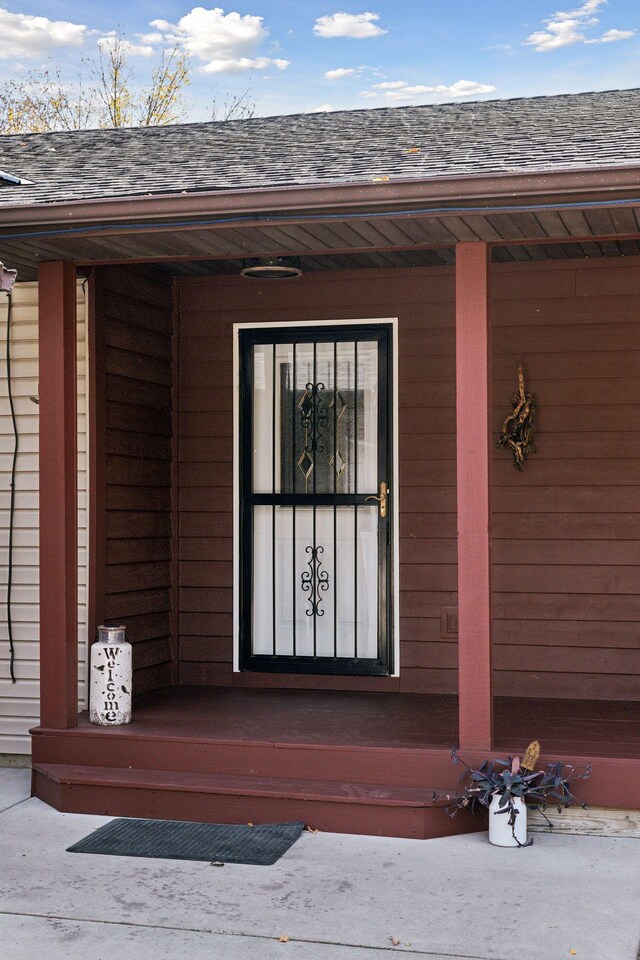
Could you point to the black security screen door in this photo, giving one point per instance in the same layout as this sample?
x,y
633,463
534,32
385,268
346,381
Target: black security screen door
x,y
315,499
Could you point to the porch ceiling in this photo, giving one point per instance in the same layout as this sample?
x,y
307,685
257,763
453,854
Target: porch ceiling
x,y
329,240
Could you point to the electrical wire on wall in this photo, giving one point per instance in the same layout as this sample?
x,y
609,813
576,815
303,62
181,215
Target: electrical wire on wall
x,y
7,280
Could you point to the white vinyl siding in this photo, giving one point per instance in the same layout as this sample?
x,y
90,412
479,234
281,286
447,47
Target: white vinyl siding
x,y
19,702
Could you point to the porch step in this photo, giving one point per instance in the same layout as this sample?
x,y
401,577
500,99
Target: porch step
x,y
133,746
217,798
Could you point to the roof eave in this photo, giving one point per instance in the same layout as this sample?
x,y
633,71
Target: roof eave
x,y
481,189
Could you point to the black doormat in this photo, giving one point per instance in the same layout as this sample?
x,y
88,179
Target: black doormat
x,y
261,845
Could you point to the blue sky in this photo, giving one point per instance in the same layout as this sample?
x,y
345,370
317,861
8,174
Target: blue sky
x,y
303,55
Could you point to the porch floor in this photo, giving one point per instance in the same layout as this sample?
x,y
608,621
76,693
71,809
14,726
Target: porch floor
x,y
568,728
340,718
362,719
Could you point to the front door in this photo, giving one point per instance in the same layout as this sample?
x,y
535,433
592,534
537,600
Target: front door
x,y
315,499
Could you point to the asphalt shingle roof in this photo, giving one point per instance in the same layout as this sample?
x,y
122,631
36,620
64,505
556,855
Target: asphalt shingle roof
x,y
535,134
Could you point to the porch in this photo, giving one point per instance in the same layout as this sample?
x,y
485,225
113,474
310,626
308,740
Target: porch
x,y
340,761
541,567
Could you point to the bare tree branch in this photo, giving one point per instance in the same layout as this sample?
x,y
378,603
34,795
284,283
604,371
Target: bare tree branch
x,y
162,102
235,106
40,100
113,76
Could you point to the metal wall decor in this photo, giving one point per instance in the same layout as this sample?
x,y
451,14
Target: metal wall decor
x,y
314,581
314,416
517,429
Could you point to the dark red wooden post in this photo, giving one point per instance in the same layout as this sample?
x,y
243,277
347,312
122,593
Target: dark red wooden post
x,y
473,407
58,496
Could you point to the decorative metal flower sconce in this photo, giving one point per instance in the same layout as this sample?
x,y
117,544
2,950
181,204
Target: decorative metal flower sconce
x,y
517,429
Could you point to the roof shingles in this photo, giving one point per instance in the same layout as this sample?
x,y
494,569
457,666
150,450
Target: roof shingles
x,y
535,134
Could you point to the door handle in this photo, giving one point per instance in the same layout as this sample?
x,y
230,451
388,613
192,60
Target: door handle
x,y
382,499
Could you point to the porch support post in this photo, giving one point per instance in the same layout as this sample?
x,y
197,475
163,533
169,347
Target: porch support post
x,y
473,411
58,496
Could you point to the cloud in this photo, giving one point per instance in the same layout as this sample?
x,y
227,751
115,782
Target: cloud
x,y
22,35
359,26
150,37
612,35
131,49
164,26
466,88
323,108
340,73
564,28
225,43
506,47
243,63
400,90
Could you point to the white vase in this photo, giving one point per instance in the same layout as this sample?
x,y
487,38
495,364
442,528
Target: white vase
x,y
111,678
501,832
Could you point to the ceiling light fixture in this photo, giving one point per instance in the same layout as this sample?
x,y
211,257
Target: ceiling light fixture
x,y
271,268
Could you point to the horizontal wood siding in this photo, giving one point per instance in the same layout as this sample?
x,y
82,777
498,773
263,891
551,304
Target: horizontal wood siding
x,y
566,533
566,537
423,301
20,702
134,333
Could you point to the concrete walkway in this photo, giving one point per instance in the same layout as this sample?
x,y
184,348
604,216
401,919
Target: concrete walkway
x,y
334,897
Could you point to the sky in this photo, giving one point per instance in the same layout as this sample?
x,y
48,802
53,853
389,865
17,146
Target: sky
x,y
299,56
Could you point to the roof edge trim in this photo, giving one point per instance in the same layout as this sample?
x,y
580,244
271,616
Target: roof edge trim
x,y
486,188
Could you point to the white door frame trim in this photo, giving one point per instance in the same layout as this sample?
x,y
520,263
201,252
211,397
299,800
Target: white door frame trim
x,y
395,550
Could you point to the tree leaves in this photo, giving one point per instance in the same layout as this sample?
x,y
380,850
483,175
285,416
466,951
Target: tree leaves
x,y
106,94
